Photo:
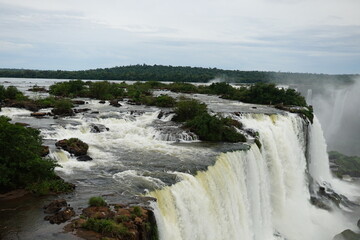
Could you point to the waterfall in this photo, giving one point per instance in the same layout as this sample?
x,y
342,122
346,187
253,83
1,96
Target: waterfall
x,y
259,194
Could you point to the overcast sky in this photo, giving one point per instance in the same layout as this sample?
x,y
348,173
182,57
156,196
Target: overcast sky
x,y
321,36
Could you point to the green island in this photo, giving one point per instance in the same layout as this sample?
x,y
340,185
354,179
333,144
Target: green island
x,y
143,72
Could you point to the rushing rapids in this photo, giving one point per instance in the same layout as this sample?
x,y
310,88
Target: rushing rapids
x,y
257,194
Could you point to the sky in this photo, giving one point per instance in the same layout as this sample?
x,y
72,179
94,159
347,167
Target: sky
x,y
318,36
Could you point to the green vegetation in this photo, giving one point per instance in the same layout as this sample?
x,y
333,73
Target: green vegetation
x,y
11,93
137,211
207,127
106,227
188,109
97,202
346,165
176,74
21,165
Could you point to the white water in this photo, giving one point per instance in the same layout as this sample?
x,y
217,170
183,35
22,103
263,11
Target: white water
x,y
319,167
253,195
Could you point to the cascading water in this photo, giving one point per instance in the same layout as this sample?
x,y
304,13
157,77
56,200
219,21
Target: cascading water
x,y
257,194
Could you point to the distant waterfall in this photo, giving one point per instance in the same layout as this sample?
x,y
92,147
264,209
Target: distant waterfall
x,y
259,194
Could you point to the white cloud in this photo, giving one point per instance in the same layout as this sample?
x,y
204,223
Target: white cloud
x,y
273,27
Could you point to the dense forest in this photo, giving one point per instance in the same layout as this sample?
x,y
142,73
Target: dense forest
x,y
175,74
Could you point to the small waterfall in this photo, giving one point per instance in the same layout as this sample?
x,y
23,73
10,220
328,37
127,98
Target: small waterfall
x,y
250,195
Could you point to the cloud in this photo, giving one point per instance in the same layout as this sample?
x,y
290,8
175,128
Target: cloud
x,y
270,33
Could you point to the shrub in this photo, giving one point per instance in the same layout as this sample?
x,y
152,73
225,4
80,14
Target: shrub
x,y
12,93
97,202
68,89
137,211
188,109
107,227
211,128
21,165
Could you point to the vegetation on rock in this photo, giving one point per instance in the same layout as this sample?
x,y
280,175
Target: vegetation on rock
x,y
74,146
21,165
206,126
97,202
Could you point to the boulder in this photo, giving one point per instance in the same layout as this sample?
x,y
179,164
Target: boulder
x,y
63,112
61,216
38,114
73,145
115,103
84,158
55,206
97,128
80,110
102,101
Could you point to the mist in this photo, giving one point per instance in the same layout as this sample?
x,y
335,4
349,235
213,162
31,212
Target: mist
x,y
337,107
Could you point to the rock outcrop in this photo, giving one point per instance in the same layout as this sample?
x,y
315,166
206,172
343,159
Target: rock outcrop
x,y
73,145
61,211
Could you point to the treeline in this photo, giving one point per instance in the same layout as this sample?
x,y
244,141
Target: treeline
x,y
174,74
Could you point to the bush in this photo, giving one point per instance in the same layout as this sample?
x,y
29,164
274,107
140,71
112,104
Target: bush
x,y
211,128
63,107
97,202
21,165
188,109
137,211
12,93
106,227
68,89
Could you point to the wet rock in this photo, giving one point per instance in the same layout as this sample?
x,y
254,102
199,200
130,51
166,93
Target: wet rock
x,y
84,158
55,206
102,101
319,203
38,114
81,110
115,103
26,104
63,112
95,112
78,102
161,114
73,145
347,235
61,216
358,223
37,89
98,128
44,151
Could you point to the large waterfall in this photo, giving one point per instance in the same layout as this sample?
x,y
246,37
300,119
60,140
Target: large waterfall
x,y
257,194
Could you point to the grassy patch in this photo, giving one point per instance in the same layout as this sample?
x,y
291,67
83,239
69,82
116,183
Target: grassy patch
x,y
97,202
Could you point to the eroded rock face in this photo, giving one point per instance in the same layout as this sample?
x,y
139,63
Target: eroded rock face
x,y
74,146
